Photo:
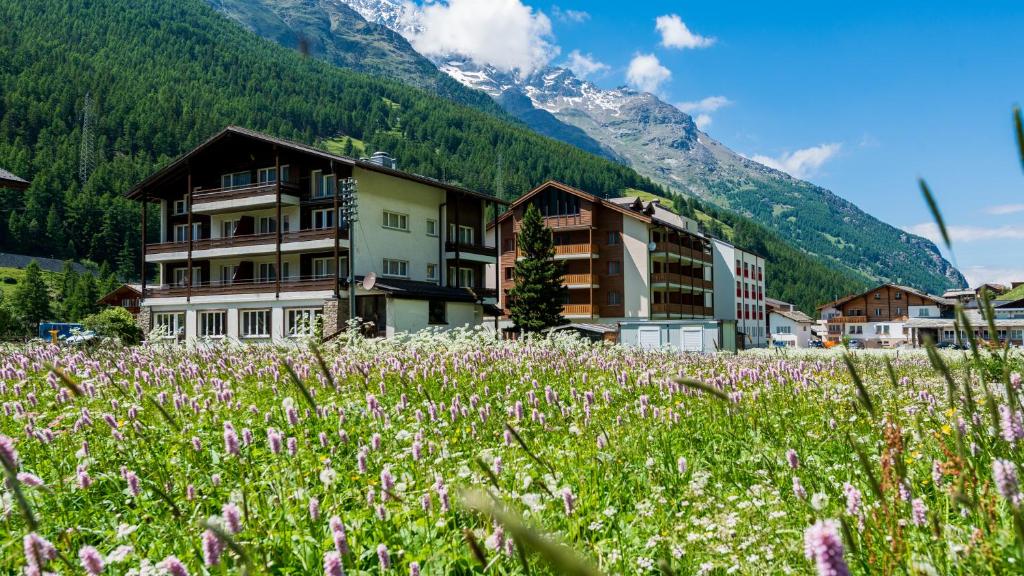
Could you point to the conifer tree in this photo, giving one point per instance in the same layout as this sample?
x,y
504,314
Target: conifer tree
x,y
31,300
538,294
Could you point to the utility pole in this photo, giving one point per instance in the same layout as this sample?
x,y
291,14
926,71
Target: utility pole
x,y
350,210
86,151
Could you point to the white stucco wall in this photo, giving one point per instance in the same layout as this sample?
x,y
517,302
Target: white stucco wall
x,y
414,315
373,242
636,268
799,333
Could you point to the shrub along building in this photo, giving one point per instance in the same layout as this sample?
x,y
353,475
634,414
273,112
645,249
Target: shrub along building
x,y
252,243
634,265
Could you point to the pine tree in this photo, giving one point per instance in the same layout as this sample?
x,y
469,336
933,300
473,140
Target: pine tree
x,y
83,298
31,300
537,297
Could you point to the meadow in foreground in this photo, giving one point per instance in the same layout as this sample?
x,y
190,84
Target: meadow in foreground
x,y
455,454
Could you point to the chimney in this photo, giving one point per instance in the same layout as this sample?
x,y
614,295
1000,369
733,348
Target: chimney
x,y
382,159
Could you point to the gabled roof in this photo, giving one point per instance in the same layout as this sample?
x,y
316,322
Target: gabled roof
x,y
9,180
795,316
908,289
655,210
181,161
576,192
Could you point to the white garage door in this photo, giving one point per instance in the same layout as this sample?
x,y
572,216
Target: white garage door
x,y
649,337
693,340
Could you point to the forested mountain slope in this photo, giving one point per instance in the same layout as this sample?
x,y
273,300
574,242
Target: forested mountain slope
x,y
163,75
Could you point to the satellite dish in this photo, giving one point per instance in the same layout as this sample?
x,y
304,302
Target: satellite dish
x,y
651,246
369,281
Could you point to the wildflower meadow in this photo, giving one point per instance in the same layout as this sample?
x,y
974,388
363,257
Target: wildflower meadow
x,y
455,454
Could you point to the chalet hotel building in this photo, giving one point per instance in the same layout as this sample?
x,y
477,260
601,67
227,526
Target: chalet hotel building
x,y
644,269
249,243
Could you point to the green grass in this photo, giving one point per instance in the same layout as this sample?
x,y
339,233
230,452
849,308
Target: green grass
x,y
656,471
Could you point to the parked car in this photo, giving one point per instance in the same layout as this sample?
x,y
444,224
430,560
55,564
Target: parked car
x,y
815,344
855,345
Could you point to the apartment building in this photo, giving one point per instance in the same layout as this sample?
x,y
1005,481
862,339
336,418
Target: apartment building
x,y
878,316
1008,319
251,243
740,292
629,263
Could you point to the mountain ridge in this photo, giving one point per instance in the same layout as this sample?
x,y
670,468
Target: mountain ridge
x,y
663,143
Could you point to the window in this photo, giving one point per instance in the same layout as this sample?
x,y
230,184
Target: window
x,y
269,175
431,227
180,207
855,329
899,311
213,324
323,218
285,224
881,329
923,312
181,232
228,228
466,278
255,323
614,298
236,180
614,267
170,324
431,271
898,296
466,235
399,268
322,185
783,329
437,311
1017,334
613,238
323,267
267,225
267,272
227,273
508,273
557,203
180,275
396,221
878,311
878,295
301,321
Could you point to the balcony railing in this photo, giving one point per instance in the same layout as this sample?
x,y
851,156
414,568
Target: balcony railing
x,y
675,249
243,240
234,193
579,279
680,279
577,310
848,320
248,286
566,250
681,309
473,248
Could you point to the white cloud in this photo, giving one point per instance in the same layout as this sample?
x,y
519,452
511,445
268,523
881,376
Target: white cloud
x,y
930,230
646,73
584,65
567,15
503,33
800,163
1004,209
702,121
978,275
709,104
675,34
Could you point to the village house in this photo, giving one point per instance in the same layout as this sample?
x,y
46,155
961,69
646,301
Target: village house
x,y
251,242
877,318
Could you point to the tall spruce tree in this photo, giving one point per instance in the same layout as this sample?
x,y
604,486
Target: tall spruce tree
x,y
538,294
31,299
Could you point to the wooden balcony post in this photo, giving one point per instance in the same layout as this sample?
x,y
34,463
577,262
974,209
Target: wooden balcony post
x,y
590,262
188,234
337,227
145,200
458,232
277,226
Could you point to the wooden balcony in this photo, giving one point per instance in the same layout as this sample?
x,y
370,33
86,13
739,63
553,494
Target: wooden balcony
x,y
586,280
255,196
674,279
253,286
571,251
243,240
848,320
574,221
578,310
672,309
673,250
477,248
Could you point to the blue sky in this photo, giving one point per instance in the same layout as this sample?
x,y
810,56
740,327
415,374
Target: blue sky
x,y
861,98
